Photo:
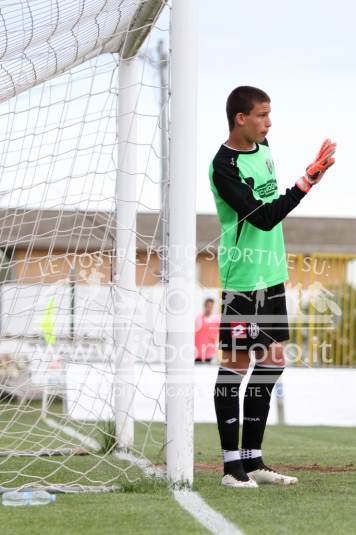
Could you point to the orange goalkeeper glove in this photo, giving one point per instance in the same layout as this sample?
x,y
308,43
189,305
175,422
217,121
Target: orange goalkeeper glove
x,y
316,170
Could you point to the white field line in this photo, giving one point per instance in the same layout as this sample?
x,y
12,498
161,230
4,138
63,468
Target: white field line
x,y
73,433
144,464
190,501
213,521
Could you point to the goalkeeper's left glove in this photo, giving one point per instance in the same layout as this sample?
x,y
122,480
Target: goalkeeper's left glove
x,y
316,170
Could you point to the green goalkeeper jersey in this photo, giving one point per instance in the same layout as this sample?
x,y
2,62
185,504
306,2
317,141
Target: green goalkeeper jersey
x,y
251,251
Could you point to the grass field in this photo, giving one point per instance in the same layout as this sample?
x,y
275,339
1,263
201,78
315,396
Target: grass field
x,y
324,502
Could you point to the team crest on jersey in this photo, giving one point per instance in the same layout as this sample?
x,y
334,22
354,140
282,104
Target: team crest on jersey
x,y
253,330
269,164
238,330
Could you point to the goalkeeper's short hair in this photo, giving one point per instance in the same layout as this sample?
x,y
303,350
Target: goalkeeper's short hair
x,y
242,100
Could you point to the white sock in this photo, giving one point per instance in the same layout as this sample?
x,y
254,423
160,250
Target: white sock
x,y
231,455
251,454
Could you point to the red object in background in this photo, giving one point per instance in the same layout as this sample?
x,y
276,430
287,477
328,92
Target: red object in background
x,y
206,336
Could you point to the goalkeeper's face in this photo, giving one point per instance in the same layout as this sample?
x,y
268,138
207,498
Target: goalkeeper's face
x,y
256,124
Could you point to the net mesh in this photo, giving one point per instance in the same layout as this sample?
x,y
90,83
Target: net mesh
x,y
59,292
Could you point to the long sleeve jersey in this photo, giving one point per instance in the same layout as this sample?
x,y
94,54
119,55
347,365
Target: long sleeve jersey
x,y
251,251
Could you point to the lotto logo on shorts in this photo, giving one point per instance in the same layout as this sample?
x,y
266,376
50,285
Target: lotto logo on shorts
x,y
238,330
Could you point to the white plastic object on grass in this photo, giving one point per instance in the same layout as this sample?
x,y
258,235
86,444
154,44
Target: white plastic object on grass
x,y
37,497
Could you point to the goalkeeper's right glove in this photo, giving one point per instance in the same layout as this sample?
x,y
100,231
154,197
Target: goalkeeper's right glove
x,y
316,170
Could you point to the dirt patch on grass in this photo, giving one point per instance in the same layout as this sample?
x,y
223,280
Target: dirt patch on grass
x,y
288,468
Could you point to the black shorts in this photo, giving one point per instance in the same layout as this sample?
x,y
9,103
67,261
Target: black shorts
x,y
253,320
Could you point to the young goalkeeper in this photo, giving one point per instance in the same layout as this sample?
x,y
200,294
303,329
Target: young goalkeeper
x,y
253,269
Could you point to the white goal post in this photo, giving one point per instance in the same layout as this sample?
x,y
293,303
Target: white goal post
x,y
182,243
88,317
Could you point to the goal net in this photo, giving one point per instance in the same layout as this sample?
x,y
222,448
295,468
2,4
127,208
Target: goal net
x,y
83,264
